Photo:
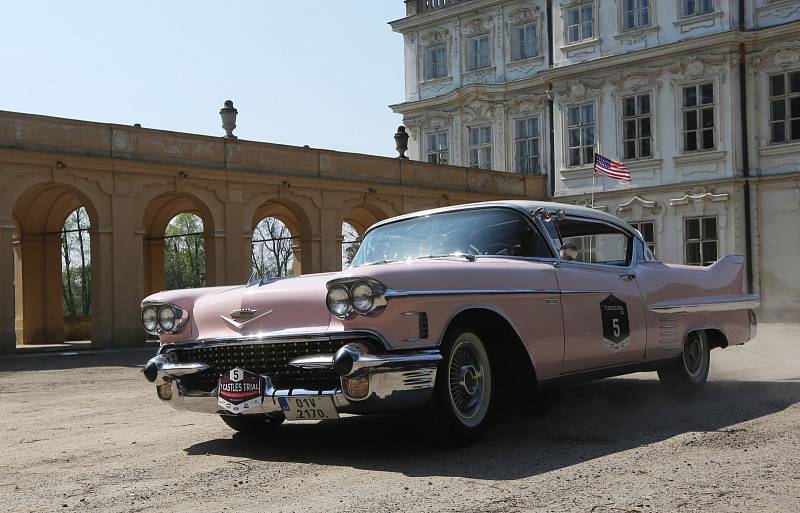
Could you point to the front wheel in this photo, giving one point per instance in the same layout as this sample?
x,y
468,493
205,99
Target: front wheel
x,y
252,424
690,373
463,392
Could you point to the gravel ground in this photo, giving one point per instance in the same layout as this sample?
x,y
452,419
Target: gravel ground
x,y
85,432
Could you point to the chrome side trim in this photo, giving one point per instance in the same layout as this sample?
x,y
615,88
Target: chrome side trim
x,y
394,294
710,305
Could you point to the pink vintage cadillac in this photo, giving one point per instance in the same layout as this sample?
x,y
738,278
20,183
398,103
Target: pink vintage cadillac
x,y
448,309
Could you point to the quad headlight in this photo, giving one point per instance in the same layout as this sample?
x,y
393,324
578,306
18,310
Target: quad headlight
x,y
360,295
157,319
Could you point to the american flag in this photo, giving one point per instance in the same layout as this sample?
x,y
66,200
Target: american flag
x,y
608,167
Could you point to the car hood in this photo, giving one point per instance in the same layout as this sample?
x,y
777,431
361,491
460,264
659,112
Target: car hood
x,y
282,306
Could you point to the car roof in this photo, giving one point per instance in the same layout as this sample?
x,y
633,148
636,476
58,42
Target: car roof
x,y
526,206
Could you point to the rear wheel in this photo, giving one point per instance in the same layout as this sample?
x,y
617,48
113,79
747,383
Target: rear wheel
x,y
463,392
252,424
689,374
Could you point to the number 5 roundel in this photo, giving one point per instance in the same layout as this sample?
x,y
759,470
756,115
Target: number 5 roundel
x,y
616,330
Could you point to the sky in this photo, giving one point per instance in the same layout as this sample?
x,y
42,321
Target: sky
x,y
315,72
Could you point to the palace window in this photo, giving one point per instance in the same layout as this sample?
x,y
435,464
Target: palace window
x,y
438,149
696,7
637,136
784,107
526,146
523,42
698,117
635,14
435,62
647,229
480,147
478,52
580,134
700,240
580,23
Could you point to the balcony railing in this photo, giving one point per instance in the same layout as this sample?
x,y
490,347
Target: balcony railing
x,y
420,6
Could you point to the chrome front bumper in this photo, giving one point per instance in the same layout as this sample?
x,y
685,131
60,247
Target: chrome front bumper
x,y
397,381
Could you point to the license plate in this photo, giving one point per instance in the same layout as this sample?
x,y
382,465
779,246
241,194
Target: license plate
x,y
240,390
308,408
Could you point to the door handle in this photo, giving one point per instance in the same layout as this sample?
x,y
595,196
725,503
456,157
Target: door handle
x,y
628,276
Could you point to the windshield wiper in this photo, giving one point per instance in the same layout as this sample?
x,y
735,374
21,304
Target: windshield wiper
x,y
468,256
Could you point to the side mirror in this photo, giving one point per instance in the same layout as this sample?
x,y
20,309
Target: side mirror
x,y
568,251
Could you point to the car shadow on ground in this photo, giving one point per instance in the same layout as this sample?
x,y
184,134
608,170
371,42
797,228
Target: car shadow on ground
x,y
63,360
572,425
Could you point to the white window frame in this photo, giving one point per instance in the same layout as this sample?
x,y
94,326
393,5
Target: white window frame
x,y
639,6
652,245
787,120
636,118
580,7
684,11
468,54
426,62
702,240
698,108
437,152
480,147
534,141
581,126
531,45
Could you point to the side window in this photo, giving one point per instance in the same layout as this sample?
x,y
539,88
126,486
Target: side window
x,y
595,242
509,234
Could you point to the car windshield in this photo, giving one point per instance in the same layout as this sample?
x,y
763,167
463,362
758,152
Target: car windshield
x,y
479,232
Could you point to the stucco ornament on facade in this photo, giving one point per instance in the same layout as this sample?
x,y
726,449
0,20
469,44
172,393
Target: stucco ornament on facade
x,y
784,53
696,67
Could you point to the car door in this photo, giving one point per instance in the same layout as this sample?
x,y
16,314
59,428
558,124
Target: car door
x,y
604,321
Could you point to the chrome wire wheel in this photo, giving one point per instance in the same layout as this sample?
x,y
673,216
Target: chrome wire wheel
x,y
695,354
469,379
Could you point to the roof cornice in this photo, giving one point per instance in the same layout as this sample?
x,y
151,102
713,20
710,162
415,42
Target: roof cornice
x,y
442,13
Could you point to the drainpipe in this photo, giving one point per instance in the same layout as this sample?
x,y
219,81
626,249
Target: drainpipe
x,y
552,142
748,221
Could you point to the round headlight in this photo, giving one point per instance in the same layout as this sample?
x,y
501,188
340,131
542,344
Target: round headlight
x,y
166,318
338,301
150,319
363,297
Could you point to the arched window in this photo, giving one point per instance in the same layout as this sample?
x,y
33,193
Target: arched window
x,y
184,252
272,249
76,264
351,241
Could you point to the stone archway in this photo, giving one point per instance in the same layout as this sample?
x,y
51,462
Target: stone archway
x,y
298,225
359,218
157,215
39,214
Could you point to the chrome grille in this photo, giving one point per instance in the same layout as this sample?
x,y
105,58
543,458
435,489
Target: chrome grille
x,y
271,358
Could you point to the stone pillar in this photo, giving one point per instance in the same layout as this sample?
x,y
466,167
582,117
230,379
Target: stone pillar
x,y
128,288
52,289
237,248
153,266
7,277
331,238
215,259
104,278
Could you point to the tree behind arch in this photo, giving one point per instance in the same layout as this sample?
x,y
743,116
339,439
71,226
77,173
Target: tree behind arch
x,y
272,249
184,252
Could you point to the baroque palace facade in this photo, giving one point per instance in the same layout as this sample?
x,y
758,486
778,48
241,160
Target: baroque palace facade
x,y
699,98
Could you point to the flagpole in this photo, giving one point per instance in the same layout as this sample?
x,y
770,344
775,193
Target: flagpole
x,y
594,172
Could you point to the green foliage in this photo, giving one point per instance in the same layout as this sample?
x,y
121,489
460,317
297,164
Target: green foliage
x,y
76,264
184,252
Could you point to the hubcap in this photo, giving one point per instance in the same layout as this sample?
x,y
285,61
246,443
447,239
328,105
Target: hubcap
x,y
466,379
694,354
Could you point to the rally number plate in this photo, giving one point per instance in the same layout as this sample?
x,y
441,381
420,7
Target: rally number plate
x,y
308,408
240,390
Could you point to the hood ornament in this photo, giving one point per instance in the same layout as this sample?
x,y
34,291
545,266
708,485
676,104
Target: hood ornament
x,y
242,316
